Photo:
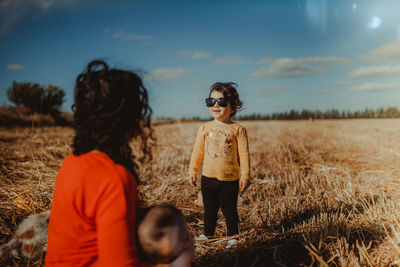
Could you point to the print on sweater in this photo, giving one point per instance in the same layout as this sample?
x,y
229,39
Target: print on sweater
x,y
218,144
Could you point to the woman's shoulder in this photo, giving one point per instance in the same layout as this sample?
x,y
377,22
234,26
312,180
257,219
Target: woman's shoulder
x,y
109,165
90,159
97,162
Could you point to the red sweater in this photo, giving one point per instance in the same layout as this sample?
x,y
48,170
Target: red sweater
x,y
93,214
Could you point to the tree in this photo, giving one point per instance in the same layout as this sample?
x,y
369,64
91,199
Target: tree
x,y
46,100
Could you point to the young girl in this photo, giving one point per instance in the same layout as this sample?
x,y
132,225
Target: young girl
x,y
93,218
222,146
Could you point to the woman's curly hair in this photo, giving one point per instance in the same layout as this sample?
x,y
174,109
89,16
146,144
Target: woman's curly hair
x,y
228,89
111,107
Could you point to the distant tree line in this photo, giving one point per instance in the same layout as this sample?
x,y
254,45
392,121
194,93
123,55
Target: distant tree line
x,y
38,98
34,104
305,114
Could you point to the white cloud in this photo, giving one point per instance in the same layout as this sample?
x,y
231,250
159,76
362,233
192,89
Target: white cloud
x,y
297,67
326,61
15,67
319,93
231,60
265,60
375,72
194,54
167,74
321,61
373,87
121,34
342,83
12,11
389,51
285,68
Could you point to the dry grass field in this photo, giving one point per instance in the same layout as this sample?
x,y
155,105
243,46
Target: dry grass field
x,y
323,193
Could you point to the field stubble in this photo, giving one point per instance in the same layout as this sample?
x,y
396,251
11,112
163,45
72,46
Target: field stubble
x,y
322,193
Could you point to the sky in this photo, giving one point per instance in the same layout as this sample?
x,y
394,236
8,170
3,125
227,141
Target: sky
x,y
283,54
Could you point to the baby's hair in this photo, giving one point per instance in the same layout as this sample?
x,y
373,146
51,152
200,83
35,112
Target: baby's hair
x,y
228,89
162,233
111,107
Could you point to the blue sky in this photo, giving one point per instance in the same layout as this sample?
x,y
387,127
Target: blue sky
x,y
293,54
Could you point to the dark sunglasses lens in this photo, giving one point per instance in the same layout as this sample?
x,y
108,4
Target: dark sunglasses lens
x,y
210,102
223,102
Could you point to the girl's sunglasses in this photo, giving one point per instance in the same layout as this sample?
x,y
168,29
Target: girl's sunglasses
x,y
222,102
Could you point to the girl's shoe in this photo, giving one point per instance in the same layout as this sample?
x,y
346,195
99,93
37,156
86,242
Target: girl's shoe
x,y
231,243
201,238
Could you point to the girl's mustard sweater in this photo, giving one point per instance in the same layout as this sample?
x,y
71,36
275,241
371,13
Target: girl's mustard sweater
x,y
223,148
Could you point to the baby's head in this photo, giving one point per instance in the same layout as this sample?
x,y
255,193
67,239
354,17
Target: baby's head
x,y
229,92
162,234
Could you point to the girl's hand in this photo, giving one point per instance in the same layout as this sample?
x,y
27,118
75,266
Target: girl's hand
x,y
192,179
243,184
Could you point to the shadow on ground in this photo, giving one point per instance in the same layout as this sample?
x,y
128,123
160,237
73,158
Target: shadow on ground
x,y
271,247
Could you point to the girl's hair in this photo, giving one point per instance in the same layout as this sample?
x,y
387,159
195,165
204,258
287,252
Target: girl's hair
x,y
111,107
228,89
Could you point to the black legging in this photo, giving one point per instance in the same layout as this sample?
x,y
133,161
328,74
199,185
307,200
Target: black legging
x,y
222,194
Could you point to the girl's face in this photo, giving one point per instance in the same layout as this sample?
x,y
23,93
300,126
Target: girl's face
x,y
222,114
